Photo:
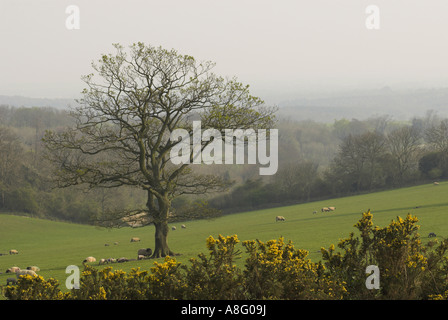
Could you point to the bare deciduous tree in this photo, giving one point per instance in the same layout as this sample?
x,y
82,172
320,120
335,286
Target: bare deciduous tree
x,y
359,159
11,153
404,146
437,136
124,121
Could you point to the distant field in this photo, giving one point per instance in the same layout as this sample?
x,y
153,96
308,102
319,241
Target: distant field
x,y
53,246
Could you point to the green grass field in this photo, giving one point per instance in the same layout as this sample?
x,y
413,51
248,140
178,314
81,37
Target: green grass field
x,y
52,246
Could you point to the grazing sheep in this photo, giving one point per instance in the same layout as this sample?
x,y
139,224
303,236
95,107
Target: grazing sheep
x,y
173,228
140,257
135,239
116,243
279,218
106,244
34,268
431,234
122,259
103,261
12,270
436,183
145,252
331,208
325,209
111,260
89,259
183,226
25,272
13,251
11,280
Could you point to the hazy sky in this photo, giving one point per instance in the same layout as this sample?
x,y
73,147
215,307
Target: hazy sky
x,y
281,48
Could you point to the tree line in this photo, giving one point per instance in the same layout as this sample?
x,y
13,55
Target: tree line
x,y
26,186
364,156
316,161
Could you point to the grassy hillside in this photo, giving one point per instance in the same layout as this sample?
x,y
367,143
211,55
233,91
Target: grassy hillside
x,y
54,245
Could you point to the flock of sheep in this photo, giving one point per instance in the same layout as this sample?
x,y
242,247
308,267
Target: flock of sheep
x,y
174,227
31,270
328,209
144,253
325,209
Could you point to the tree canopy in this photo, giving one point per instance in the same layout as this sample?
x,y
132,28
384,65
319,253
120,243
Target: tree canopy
x,y
132,103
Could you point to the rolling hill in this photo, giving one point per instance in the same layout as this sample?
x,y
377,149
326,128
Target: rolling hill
x,y
54,245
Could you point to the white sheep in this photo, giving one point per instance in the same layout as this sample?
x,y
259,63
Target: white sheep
x,y
12,270
34,268
135,239
89,259
25,272
13,251
279,218
183,226
103,261
173,228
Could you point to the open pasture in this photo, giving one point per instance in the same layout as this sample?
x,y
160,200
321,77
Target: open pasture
x,y
52,246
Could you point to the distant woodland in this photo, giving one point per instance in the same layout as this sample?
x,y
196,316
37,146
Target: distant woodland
x,y
316,161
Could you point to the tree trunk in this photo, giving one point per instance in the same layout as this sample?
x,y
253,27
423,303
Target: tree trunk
x,y
161,245
160,215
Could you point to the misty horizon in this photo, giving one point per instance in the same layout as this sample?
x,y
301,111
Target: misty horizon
x,y
283,51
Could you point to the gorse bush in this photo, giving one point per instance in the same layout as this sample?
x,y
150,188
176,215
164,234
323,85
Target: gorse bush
x,y
274,270
216,276
408,269
35,288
